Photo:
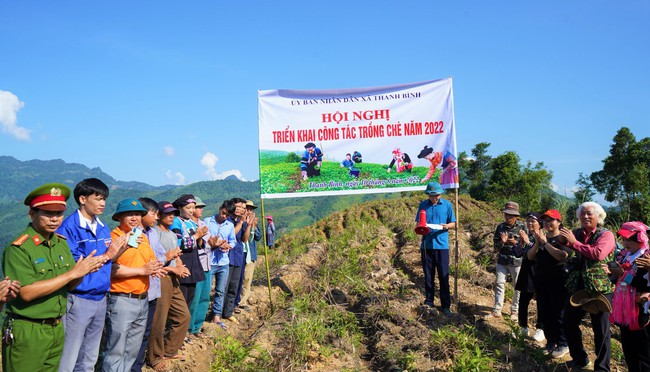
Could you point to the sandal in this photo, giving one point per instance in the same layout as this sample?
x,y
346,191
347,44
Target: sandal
x,y
160,366
176,356
237,311
220,324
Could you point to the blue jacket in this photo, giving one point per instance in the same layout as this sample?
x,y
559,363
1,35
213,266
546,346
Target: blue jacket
x,y
82,241
252,244
236,254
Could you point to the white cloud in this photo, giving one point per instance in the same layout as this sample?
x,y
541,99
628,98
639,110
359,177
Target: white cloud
x,y
169,151
178,176
9,106
209,162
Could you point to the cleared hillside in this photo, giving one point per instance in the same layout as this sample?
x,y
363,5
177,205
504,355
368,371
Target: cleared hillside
x,y
347,295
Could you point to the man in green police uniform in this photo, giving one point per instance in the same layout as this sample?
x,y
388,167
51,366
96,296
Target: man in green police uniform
x,y
41,261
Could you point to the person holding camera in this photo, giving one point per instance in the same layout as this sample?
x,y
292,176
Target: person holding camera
x,y
506,240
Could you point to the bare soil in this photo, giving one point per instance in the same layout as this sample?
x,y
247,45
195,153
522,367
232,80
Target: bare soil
x,y
393,315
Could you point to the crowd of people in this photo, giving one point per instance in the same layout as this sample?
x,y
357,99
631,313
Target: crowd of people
x,y
569,272
138,292
572,273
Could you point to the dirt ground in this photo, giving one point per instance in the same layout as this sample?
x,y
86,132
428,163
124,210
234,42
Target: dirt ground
x,y
391,320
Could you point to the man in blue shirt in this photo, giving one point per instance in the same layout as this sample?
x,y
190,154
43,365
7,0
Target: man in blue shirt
x,y
86,309
434,247
222,240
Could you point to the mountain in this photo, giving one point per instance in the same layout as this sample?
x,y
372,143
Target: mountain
x,y
20,177
23,176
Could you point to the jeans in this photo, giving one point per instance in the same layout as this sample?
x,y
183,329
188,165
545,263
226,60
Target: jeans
x,y
83,323
126,320
499,287
200,303
220,274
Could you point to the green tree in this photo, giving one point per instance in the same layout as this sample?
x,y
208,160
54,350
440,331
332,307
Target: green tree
x,y
504,178
534,187
478,172
584,191
625,177
464,163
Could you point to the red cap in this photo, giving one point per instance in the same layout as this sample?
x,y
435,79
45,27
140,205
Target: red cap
x,y
629,229
554,214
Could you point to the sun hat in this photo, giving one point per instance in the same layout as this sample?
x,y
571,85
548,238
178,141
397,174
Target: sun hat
x,y
434,188
269,217
129,205
593,304
511,208
199,202
249,203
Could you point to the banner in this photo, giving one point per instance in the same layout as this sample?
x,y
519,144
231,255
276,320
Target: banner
x,y
355,141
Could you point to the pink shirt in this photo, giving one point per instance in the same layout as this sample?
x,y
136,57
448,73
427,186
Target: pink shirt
x,y
600,249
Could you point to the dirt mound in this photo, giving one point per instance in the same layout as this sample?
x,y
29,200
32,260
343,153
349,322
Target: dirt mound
x,y
395,331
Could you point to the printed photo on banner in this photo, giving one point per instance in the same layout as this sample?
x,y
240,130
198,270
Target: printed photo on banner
x,y
355,141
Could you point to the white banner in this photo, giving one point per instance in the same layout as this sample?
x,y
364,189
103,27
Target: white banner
x,y
351,141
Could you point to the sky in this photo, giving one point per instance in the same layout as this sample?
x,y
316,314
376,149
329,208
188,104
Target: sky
x,y
165,92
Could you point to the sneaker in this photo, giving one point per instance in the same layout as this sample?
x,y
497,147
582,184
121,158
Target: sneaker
x,y
548,350
539,335
496,314
513,313
447,312
559,352
525,331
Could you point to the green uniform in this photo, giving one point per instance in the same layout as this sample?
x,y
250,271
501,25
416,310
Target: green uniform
x,y
36,326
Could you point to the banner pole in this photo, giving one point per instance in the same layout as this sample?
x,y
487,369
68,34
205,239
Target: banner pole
x,y
456,300
266,256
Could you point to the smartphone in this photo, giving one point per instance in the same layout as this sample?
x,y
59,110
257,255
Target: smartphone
x,y
135,234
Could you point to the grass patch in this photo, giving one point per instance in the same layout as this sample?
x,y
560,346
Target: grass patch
x,y
465,268
467,351
314,324
232,355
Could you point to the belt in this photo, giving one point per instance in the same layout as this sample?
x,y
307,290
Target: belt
x,y
140,296
48,321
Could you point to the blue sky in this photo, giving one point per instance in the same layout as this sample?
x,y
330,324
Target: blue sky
x,y
166,92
